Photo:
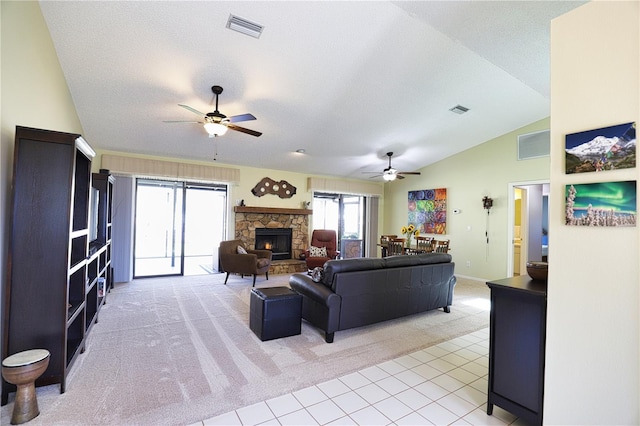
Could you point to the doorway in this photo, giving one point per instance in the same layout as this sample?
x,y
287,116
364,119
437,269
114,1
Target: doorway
x,y
178,227
345,214
527,225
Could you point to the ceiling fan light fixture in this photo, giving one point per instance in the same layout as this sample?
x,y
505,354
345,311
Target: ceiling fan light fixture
x,y
389,175
215,129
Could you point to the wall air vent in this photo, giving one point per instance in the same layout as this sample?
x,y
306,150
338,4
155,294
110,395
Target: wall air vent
x,y
459,109
243,26
534,145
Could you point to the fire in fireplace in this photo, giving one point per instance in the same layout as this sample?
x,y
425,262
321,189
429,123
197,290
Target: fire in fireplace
x,y
278,240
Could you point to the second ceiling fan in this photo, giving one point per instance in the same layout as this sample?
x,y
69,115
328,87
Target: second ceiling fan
x,y
216,123
389,174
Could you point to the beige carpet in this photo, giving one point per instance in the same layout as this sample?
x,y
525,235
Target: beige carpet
x,y
179,350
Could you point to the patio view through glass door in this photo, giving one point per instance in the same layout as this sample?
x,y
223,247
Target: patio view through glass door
x,y
178,227
345,214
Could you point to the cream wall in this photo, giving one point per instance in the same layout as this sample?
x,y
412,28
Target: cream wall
x,y
249,178
593,333
34,93
486,169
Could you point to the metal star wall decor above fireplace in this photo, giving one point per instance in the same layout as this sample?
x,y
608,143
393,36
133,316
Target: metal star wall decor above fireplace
x,y
282,189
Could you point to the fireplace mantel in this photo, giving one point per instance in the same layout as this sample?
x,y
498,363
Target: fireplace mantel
x,y
272,210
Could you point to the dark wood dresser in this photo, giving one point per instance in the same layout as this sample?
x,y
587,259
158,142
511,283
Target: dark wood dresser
x,y
517,347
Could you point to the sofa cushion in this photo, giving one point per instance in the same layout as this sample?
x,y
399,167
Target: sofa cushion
x,y
333,267
241,250
317,251
420,259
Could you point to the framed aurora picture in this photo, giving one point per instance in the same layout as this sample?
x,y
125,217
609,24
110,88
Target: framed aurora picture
x,y
428,210
601,204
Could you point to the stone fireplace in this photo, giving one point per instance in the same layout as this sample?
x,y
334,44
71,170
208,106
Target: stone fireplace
x,y
248,219
278,240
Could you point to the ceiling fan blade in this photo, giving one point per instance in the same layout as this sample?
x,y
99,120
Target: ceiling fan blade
x,y
373,177
241,117
409,173
193,110
182,121
399,176
243,130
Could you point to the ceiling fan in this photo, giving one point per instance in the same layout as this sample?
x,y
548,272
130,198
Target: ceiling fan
x,y
389,174
216,123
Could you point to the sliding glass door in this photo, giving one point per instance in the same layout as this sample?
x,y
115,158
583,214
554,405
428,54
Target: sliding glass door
x,y
345,214
178,227
204,228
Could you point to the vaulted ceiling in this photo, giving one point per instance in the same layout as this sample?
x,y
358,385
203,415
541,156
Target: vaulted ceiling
x,y
345,81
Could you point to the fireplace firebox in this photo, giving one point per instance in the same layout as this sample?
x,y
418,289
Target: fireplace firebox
x,y
278,240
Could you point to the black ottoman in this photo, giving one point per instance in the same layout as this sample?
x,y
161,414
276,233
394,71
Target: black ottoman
x,y
275,312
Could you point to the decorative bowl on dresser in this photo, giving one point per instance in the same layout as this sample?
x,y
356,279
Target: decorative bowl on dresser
x,y
537,270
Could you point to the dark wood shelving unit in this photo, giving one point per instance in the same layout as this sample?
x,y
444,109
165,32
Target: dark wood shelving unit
x,y
517,347
100,272
49,299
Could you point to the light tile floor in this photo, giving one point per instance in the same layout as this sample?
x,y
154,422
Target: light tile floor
x,y
445,384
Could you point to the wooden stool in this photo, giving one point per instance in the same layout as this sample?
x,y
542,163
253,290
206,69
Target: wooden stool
x,y
22,369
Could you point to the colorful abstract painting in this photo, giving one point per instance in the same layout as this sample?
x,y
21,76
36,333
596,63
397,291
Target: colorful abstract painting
x,y
601,204
428,210
608,148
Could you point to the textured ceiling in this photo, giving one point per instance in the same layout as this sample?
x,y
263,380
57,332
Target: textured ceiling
x,y
346,81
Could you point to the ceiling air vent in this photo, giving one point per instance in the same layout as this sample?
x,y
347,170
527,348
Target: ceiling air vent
x,y
459,109
534,145
243,26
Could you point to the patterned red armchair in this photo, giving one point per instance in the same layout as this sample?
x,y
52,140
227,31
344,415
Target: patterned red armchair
x,y
321,238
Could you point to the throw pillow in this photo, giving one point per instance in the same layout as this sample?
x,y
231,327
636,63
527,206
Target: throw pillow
x,y
317,251
317,274
241,250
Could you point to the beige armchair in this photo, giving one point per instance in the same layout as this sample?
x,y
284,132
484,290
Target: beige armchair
x,y
253,263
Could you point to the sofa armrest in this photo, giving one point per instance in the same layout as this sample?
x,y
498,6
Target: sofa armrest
x,y
318,292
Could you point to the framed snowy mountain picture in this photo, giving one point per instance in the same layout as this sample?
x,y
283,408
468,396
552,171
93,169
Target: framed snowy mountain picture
x,y
608,148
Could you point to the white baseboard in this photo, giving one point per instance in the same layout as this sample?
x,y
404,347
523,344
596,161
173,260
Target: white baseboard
x,y
482,280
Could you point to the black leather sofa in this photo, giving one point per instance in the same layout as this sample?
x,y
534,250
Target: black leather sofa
x,y
357,292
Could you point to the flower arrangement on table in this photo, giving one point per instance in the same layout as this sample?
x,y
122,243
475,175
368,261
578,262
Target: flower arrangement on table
x,y
408,232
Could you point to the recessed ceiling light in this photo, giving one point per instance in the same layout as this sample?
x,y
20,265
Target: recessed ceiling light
x,y
300,151
244,26
459,109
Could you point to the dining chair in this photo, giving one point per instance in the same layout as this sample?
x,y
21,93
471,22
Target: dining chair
x,y
385,238
395,246
441,246
384,242
423,244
